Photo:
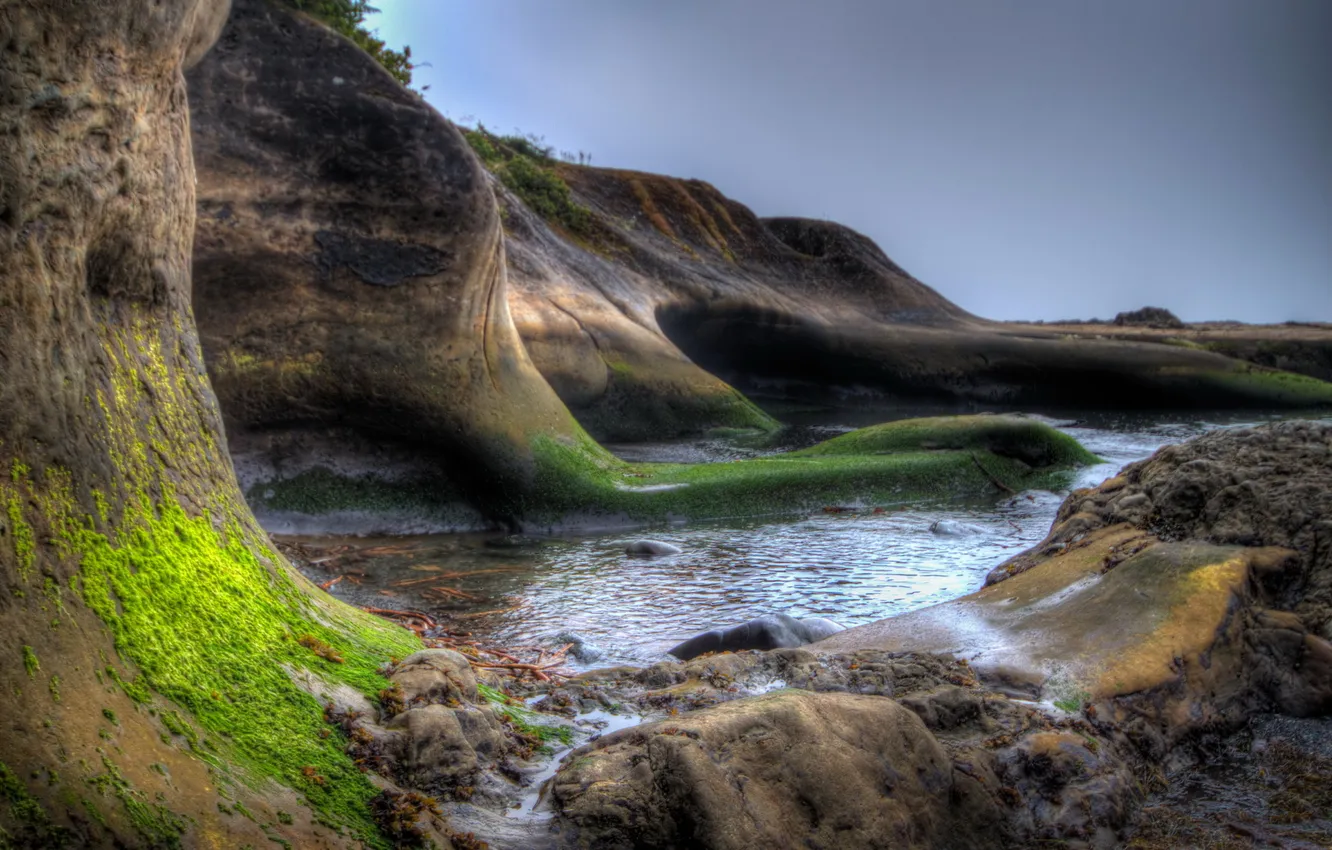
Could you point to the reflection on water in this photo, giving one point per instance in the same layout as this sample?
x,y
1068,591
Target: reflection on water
x,y
852,567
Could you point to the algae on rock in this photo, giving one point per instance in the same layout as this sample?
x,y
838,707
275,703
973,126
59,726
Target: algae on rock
x,y
135,586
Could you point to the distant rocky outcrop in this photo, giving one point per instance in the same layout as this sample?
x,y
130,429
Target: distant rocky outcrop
x,y
669,277
1149,317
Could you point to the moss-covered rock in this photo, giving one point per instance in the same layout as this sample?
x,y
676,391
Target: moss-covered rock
x,y
948,458
161,669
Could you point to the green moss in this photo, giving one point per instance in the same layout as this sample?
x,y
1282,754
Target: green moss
x,y
642,402
525,720
53,687
1027,440
1180,342
30,662
34,824
20,534
111,715
154,822
218,650
136,690
1272,386
918,460
211,620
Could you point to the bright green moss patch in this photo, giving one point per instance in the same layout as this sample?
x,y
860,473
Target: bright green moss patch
x,y
576,480
213,623
135,690
30,662
1027,440
211,627
20,535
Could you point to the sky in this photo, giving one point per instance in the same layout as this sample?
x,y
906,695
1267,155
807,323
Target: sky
x,y
1029,159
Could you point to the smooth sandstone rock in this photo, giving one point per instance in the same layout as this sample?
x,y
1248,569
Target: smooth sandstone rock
x,y
677,279
349,274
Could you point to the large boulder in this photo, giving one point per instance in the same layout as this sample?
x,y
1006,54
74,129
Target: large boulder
x,y
791,769
1268,486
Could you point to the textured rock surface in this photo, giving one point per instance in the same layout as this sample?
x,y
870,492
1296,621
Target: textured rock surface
x,y
122,529
788,770
349,268
1269,486
1006,785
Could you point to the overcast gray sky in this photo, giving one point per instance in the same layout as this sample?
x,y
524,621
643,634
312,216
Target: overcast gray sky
x,y
1027,158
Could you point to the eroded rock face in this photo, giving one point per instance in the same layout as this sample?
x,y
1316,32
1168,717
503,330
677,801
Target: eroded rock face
x,y
1268,486
107,423
349,273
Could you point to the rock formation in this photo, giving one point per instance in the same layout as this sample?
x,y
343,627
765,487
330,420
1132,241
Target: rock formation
x,y
351,291
812,310
350,275
162,667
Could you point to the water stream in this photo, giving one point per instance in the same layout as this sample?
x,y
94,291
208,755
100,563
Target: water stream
x,y
852,567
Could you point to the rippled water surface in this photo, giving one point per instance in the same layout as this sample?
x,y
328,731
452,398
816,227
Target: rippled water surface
x,y
853,567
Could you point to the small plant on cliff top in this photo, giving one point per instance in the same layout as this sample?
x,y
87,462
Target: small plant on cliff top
x,y
523,165
347,17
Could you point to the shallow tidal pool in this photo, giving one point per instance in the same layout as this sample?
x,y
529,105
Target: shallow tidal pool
x,y
852,566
